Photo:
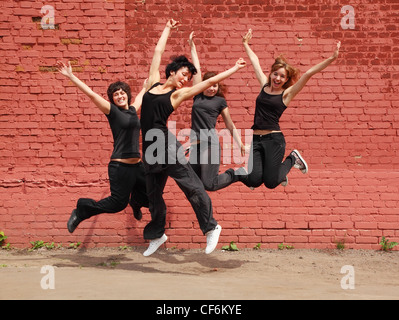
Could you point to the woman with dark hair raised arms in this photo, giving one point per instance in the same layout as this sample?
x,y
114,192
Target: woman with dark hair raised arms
x,y
205,145
159,102
125,170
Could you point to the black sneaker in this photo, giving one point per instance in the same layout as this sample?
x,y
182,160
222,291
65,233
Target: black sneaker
x,y
136,209
73,221
137,213
241,174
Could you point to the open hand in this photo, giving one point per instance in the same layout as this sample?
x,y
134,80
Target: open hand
x,y
247,37
336,52
245,149
64,69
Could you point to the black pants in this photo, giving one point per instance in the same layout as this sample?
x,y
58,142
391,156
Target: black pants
x,y
205,160
127,184
266,161
188,182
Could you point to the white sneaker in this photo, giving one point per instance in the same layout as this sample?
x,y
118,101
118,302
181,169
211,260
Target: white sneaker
x,y
154,245
285,182
300,163
212,239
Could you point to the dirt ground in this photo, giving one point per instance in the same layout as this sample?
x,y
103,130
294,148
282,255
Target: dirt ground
x,y
112,273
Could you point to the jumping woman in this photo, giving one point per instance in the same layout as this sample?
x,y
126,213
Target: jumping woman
x,y
159,102
205,146
125,169
277,91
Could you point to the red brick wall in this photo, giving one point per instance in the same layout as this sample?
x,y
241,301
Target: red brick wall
x,y
55,145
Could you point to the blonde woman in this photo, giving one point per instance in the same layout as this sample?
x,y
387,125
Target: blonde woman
x,y
278,89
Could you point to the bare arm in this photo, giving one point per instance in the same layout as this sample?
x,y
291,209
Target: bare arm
x,y
262,78
197,78
233,130
188,93
292,91
139,98
155,75
99,101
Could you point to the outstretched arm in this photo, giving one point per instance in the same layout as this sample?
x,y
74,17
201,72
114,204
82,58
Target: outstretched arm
x,y
292,91
188,93
155,75
99,101
262,78
197,78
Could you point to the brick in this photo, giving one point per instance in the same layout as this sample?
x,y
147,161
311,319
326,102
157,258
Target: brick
x,y
296,239
366,240
297,225
319,225
388,225
342,225
274,225
366,225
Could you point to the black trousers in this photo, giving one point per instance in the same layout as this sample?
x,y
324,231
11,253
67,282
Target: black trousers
x,y
205,160
188,182
266,163
127,184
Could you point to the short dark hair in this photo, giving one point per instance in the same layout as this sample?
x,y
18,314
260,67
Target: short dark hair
x,y
113,87
178,63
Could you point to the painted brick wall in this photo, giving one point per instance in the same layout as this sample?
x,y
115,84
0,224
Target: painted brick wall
x,y
55,145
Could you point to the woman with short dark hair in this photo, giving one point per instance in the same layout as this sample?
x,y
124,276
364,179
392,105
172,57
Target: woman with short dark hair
x,y
125,169
159,102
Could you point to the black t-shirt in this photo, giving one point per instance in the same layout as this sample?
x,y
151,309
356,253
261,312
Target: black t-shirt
x,y
204,116
125,127
269,108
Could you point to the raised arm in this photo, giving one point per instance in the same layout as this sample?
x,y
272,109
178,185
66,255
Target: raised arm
x,y
262,78
197,78
139,98
99,101
188,93
292,91
155,75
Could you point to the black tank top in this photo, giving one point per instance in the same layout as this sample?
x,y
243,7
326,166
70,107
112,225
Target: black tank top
x,y
269,108
155,111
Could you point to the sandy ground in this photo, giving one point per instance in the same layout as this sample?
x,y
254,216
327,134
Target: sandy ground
x,y
111,273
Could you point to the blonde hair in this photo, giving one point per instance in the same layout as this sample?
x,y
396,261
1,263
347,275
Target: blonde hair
x,y
292,72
